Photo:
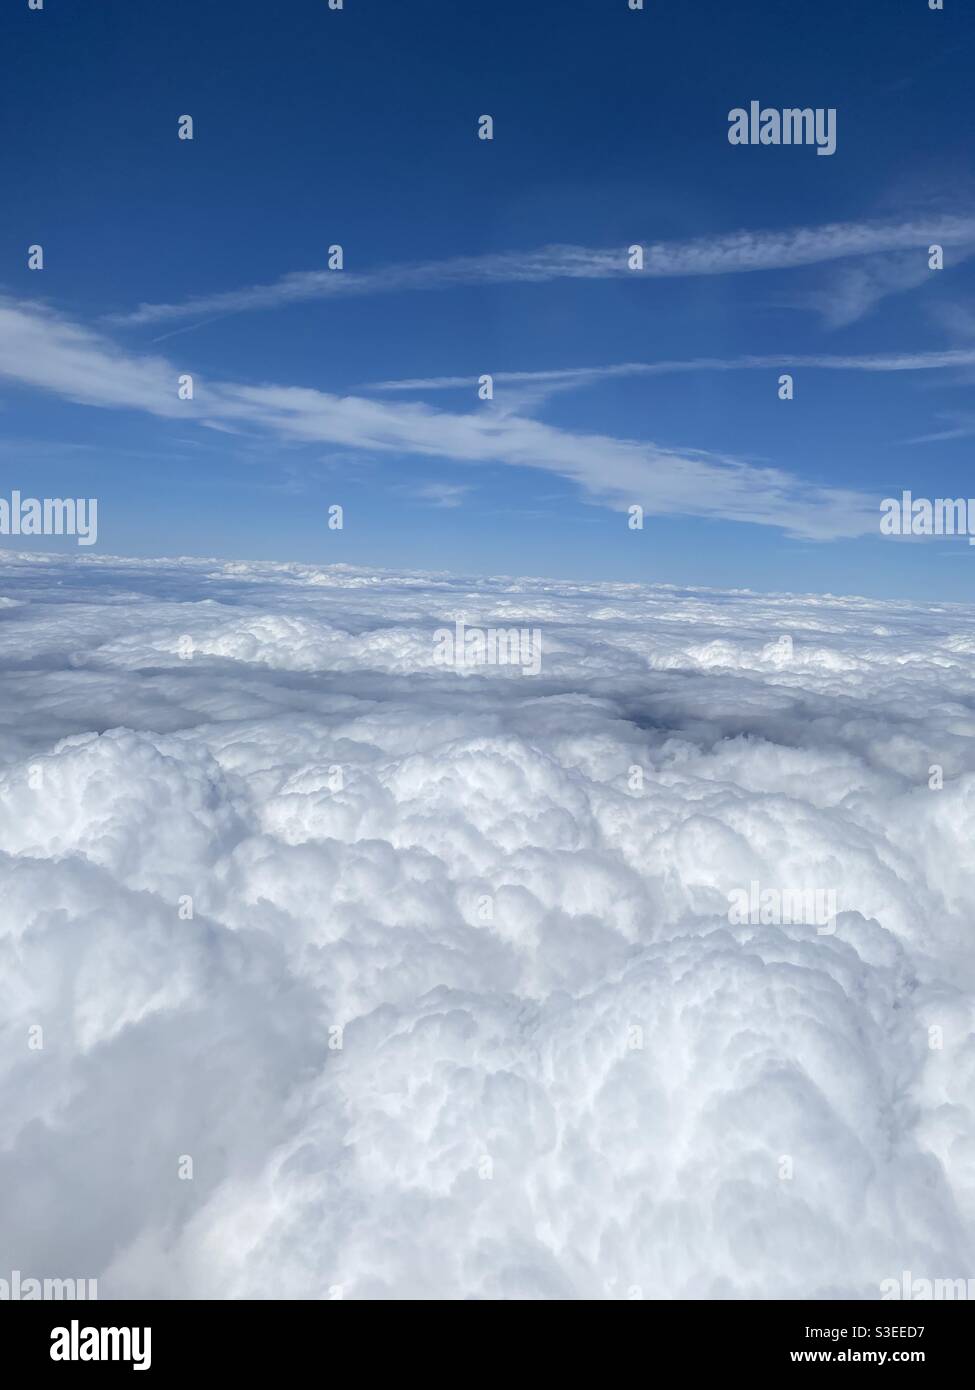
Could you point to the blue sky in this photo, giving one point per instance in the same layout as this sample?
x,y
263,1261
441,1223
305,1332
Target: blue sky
x,y
314,127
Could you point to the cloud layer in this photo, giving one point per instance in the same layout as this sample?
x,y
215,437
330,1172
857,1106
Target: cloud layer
x,y
586,1091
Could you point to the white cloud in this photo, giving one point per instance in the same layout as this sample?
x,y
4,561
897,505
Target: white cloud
x,y
734,253
468,1040
41,348
49,352
554,379
854,290
442,494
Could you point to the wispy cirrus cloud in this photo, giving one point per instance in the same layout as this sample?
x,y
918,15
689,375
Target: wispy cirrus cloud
x,y
958,319
960,425
734,253
854,289
42,349
571,377
441,494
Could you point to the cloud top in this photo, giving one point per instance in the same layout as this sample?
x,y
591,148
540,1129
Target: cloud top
x,y
588,1091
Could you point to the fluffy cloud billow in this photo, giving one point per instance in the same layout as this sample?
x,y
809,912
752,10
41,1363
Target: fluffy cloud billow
x,y
431,974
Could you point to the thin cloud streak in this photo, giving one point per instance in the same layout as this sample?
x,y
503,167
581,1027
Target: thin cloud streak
x,y
582,376
41,349
735,253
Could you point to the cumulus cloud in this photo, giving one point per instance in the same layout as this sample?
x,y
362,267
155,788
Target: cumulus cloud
x,y
564,1072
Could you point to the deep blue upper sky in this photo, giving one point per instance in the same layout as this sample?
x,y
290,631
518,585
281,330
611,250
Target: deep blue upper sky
x,y
358,127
